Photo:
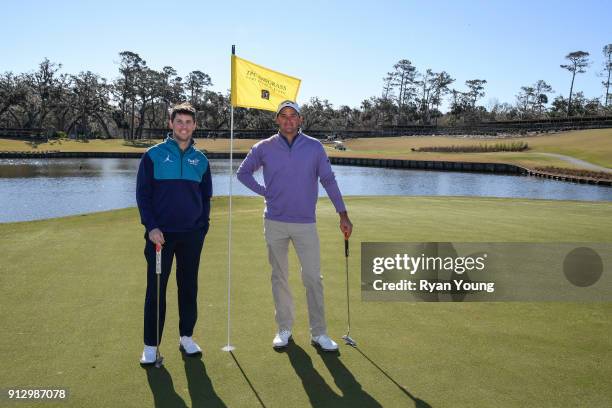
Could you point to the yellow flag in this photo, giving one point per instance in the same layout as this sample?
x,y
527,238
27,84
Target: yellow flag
x,y
254,86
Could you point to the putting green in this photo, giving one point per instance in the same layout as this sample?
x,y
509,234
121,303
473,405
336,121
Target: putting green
x,y
72,294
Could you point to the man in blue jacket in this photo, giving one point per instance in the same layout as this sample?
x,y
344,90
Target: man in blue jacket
x,y
173,192
293,164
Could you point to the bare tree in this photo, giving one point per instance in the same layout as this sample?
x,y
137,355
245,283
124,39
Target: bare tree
x,y
607,52
579,60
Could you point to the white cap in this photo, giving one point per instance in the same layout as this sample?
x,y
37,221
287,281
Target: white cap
x,y
288,104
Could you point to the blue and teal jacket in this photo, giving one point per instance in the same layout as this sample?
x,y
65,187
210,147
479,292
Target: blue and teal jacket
x,y
173,188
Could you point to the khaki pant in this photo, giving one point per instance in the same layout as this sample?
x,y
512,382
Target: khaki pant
x,y
306,243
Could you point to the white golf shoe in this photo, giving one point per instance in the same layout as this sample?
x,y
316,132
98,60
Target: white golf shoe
x,y
148,355
188,346
281,340
324,343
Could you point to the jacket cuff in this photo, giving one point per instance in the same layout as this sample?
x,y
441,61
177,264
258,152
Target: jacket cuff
x,y
151,227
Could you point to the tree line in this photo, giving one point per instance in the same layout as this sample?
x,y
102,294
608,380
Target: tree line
x,y
88,105
413,97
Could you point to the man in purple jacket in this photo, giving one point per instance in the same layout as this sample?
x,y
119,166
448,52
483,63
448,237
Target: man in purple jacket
x,y
293,163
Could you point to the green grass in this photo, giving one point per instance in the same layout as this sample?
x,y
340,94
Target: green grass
x,y
72,294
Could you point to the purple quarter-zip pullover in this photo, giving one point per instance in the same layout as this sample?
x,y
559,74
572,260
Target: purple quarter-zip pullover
x,y
291,175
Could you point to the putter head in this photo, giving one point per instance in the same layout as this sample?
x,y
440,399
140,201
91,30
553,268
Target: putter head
x,y
348,341
159,361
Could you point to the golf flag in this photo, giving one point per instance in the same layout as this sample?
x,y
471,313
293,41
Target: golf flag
x,y
254,86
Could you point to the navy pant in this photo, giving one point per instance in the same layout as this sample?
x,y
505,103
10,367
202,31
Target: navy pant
x,y
187,247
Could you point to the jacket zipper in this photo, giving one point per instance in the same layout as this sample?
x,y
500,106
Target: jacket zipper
x,y
182,156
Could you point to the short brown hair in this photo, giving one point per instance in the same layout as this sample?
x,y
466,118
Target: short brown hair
x,y
184,108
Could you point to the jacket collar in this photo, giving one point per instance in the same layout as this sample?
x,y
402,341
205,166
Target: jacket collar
x,y
285,141
171,142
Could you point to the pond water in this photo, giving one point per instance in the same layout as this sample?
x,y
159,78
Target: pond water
x,y
44,188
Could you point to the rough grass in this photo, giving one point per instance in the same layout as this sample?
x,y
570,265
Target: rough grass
x,y
72,296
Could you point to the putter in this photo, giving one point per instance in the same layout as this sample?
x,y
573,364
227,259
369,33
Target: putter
x,y
158,357
347,337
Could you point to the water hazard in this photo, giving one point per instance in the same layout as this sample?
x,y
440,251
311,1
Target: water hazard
x,y
44,188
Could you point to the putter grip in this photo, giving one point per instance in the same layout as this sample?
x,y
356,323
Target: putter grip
x,y
158,259
346,247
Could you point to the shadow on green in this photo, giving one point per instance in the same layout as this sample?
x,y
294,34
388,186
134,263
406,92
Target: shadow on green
x,y
162,388
246,378
418,403
201,390
319,392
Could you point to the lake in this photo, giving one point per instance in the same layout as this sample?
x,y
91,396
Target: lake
x,y
44,188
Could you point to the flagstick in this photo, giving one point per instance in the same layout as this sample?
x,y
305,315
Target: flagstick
x,y
229,346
